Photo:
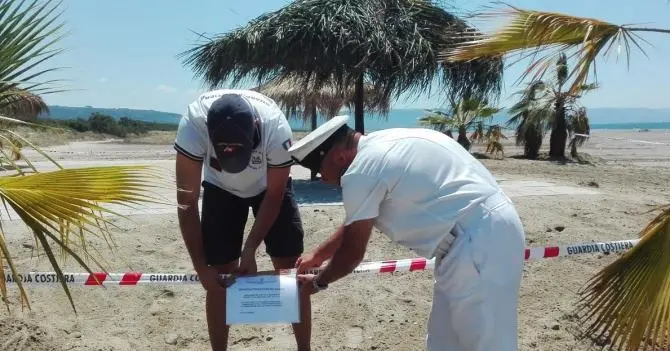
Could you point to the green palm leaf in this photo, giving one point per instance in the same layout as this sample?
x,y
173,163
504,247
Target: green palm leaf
x,y
544,36
28,33
628,302
54,205
61,203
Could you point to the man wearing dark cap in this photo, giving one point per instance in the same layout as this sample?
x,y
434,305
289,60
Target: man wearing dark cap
x,y
425,192
241,139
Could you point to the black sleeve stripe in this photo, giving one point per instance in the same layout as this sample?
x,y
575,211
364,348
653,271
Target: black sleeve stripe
x,y
282,165
182,151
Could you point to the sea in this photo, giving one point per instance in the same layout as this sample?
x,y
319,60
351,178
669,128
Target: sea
x,y
409,118
641,119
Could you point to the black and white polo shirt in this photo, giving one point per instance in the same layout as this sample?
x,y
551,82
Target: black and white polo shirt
x,y
275,138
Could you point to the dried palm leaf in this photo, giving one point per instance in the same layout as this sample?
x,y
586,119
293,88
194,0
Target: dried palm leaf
x,y
578,129
546,35
494,147
478,135
628,302
495,132
21,104
391,43
288,91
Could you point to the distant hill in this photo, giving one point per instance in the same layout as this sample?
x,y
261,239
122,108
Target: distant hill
x,y
70,112
599,116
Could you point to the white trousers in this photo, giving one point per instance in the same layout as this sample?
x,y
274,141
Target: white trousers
x,y
477,283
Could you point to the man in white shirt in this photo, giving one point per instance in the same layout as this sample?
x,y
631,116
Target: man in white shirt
x,y
427,193
241,139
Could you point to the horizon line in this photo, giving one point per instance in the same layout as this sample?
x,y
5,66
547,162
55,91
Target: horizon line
x,y
392,108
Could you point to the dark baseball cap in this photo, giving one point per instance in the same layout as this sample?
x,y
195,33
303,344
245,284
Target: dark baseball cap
x,y
232,128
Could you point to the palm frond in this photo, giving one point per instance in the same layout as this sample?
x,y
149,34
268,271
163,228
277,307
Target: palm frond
x,y
578,123
463,115
532,128
328,98
495,133
21,104
493,147
438,122
478,135
392,43
628,302
65,202
59,204
28,33
545,36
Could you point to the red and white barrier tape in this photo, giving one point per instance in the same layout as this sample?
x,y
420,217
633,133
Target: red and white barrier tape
x,y
374,267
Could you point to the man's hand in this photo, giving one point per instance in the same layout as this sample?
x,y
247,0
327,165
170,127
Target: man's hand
x,y
211,280
247,263
307,261
306,283
350,253
268,211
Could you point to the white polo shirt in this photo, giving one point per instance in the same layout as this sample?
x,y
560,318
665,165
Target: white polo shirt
x,y
417,182
193,141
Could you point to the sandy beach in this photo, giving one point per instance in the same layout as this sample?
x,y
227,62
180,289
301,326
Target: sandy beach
x,y
559,204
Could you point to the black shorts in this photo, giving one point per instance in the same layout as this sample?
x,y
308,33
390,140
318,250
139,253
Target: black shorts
x,y
224,217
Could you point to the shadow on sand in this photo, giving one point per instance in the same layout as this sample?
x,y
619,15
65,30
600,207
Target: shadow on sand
x,y
312,192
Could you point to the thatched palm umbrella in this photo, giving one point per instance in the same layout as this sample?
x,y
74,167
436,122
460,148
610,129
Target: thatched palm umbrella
x,y
21,104
293,97
391,43
328,99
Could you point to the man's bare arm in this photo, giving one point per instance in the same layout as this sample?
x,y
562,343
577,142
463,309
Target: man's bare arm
x,y
188,173
350,253
327,249
269,208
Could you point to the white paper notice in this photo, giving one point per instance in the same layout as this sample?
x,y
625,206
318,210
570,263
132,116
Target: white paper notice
x,y
263,299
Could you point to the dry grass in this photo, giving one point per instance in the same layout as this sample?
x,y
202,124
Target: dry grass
x,y
155,137
51,137
167,138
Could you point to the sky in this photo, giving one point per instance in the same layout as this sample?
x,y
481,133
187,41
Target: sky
x,y
124,53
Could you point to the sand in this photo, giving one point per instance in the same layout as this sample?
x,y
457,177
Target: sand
x,y
593,202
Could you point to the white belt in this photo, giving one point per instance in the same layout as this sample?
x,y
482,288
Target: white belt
x,y
445,245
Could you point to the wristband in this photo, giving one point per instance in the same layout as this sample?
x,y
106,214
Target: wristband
x,y
318,287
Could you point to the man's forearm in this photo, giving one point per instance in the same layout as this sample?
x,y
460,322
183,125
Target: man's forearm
x,y
189,223
344,261
342,264
267,214
327,249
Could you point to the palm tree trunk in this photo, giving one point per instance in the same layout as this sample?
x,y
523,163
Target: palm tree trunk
x,y
358,100
559,131
313,173
532,144
314,118
463,137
